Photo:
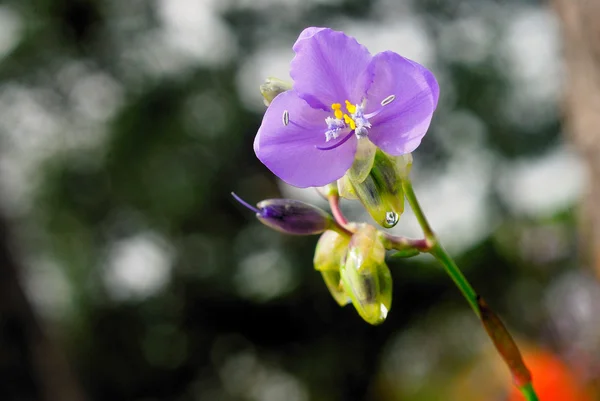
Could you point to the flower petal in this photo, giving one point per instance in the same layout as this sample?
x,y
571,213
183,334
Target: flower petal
x,y
290,152
401,124
330,67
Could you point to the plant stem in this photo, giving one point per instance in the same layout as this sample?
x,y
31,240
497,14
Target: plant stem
x,y
340,229
494,327
456,275
404,243
438,251
334,204
528,392
414,205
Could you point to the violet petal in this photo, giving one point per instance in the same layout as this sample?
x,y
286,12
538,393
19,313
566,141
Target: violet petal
x,y
290,152
401,124
330,67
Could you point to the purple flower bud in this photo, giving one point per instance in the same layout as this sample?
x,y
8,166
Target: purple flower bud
x,y
290,216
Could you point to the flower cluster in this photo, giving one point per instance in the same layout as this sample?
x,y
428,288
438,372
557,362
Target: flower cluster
x,y
348,123
351,258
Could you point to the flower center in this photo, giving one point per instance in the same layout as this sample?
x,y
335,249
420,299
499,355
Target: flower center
x,y
354,119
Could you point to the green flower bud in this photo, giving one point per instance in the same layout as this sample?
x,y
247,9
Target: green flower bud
x,y
273,87
381,191
365,276
329,256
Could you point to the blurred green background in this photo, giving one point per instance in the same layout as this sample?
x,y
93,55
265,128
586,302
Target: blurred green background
x,y
125,125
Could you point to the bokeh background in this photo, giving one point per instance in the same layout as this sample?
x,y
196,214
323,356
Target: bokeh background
x,y
127,272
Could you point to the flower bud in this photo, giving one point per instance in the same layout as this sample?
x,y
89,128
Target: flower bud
x,y
381,192
273,87
290,216
365,276
329,256
293,217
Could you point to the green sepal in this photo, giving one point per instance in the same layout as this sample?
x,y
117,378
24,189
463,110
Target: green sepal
x,y
364,159
345,188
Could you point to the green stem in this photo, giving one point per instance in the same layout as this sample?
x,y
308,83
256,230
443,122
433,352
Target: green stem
x,y
340,229
502,340
414,205
438,251
528,392
456,275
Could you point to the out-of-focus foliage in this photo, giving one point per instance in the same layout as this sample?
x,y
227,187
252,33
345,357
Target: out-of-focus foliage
x,y
125,125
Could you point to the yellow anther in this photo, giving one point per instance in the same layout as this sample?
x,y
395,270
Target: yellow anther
x,y
336,106
350,107
348,120
338,113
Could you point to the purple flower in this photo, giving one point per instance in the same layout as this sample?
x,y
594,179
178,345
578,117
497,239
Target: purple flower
x,y
309,135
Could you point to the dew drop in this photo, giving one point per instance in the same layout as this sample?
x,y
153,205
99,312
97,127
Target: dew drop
x,y
391,219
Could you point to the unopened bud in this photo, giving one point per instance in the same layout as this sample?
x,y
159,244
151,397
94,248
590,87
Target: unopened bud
x,y
365,276
290,216
273,87
329,256
381,192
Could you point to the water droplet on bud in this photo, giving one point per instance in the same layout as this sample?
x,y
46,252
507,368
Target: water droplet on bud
x,y
391,219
